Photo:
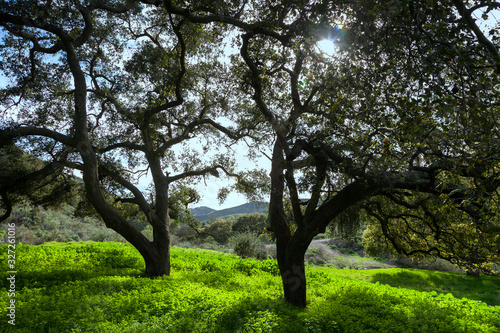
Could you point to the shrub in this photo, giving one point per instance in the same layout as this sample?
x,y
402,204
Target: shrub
x,y
184,233
245,244
148,232
36,225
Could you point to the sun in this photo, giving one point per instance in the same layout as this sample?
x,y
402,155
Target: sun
x,y
326,46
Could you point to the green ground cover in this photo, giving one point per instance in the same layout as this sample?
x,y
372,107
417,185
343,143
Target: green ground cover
x,y
100,287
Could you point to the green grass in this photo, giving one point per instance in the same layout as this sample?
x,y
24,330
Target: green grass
x,y
100,287
484,289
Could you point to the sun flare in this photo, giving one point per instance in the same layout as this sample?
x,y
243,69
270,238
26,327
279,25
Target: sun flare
x,y
326,46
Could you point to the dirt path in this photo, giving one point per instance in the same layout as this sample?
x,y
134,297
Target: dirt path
x,y
338,254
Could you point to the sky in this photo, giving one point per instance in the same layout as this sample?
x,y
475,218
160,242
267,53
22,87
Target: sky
x,y
209,192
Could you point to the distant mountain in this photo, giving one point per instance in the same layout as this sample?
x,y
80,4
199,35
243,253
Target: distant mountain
x,y
206,214
203,210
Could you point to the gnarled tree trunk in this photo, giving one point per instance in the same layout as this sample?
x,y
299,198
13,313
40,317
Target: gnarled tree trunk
x,y
290,259
158,263
294,278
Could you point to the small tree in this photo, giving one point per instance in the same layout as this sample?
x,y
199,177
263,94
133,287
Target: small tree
x,y
219,229
247,244
256,222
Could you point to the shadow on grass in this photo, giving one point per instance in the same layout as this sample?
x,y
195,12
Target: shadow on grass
x,y
357,310
50,276
175,304
59,276
485,288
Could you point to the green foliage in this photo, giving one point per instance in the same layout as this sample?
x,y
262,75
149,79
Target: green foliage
x,y
36,225
221,233
348,225
184,233
256,222
247,245
439,227
26,178
220,230
99,287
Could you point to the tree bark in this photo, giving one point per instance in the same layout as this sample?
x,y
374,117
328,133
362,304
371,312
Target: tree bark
x,y
158,264
294,278
290,257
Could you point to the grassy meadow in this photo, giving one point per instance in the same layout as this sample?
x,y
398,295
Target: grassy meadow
x,y
100,287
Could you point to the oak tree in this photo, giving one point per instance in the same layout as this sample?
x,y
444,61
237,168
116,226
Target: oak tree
x,y
405,111
117,92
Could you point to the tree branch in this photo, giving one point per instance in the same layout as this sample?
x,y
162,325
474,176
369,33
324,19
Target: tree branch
x,y
7,135
138,196
262,27
471,23
178,82
126,145
257,86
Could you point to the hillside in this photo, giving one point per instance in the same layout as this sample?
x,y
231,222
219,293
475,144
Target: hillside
x,y
203,210
207,214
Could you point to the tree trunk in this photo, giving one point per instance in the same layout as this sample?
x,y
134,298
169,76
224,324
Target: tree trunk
x,y
290,259
156,254
294,281
158,264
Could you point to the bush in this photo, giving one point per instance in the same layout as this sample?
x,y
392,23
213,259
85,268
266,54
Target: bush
x,y
36,225
246,244
184,233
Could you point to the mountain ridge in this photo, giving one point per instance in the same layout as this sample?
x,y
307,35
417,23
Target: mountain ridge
x,y
205,213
